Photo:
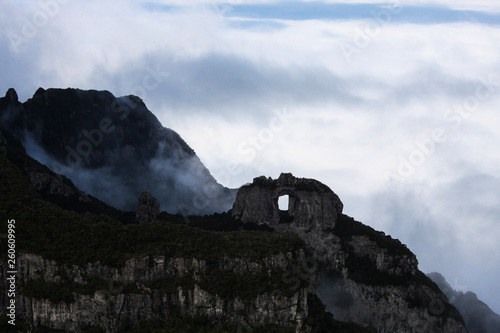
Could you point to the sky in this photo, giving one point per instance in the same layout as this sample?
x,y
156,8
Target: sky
x,y
393,105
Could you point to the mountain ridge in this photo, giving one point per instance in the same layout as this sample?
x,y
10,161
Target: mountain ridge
x,y
113,147
478,317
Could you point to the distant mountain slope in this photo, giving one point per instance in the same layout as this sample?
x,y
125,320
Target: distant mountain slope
x,y
478,316
114,149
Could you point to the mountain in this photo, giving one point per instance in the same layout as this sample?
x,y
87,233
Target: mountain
x,y
306,269
83,266
478,316
83,270
113,149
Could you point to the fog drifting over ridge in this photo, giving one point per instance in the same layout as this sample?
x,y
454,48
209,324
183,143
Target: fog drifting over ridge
x,y
356,103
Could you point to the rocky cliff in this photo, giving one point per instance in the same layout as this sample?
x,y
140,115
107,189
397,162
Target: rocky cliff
x,y
156,287
113,148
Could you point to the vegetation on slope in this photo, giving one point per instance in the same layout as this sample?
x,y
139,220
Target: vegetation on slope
x,y
70,238
44,228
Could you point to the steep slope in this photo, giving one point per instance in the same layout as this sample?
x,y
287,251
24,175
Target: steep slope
x,y
478,316
114,149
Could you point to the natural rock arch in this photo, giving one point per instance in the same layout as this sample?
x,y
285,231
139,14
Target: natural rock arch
x,y
312,205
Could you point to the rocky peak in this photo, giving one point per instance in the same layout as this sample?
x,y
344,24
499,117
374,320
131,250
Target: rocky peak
x,y
11,96
443,285
10,99
148,208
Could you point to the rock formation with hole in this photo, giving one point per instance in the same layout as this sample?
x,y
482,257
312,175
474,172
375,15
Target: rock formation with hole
x,y
312,205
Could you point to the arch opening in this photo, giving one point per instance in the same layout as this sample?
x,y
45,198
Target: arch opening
x,y
284,203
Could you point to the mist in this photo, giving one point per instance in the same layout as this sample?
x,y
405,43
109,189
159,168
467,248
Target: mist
x,y
115,160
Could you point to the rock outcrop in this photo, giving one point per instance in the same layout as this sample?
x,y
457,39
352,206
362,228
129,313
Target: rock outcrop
x,y
312,205
366,277
148,208
10,99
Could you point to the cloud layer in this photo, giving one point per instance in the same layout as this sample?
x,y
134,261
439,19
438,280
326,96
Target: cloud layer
x,y
396,113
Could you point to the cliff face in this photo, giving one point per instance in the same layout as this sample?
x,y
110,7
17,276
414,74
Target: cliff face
x,y
152,287
114,149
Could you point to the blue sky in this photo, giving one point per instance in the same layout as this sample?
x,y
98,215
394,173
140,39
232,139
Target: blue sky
x,y
323,11
296,10
400,119
326,11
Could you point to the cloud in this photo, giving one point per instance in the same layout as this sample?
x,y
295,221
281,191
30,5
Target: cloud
x,y
456,236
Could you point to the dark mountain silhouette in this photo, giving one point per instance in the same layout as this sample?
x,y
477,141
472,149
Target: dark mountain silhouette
x,y
478,316
114,149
